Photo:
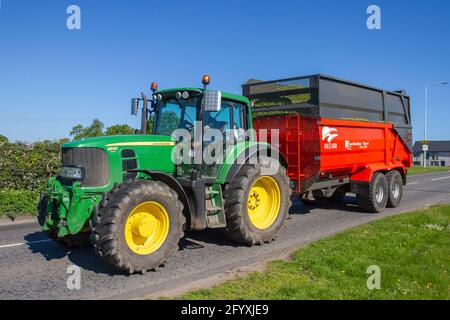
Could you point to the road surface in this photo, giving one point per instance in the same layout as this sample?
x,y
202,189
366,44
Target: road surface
x,y
33,267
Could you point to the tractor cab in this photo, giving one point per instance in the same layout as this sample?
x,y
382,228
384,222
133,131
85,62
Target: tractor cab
x,y
201,119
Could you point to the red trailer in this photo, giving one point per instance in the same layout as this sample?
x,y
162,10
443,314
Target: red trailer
x,y
338,136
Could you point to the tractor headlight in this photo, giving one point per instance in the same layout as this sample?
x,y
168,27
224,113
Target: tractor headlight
x,y
72,173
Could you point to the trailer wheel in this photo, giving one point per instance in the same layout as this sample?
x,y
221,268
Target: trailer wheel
x,y
395,184
256,205
140,226
376,199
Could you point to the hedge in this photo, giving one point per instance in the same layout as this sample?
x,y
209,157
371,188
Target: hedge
x,y
27,166
24,171
14,203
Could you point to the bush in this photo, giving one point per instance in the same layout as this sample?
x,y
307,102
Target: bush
x,y
28,166
24,171
18,202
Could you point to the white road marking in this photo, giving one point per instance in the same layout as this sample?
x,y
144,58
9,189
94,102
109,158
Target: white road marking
x,y
48,240
23,243
437,179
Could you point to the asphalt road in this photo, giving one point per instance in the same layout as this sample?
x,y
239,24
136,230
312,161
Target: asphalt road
x,y
33,267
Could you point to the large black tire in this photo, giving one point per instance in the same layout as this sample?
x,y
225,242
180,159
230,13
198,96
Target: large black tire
x,y
395,185
79,240
109,231
375,200
239,227
42,213
42,210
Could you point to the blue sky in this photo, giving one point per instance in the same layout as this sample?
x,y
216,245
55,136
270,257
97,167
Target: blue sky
x,y
52,78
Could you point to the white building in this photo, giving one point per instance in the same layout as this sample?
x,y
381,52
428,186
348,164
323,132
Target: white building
x,y
438,154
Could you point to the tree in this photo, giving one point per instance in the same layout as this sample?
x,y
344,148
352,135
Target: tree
x,y
77,132
168,123
94,130
119,129
3,140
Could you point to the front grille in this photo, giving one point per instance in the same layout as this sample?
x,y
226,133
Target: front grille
x,y
93,160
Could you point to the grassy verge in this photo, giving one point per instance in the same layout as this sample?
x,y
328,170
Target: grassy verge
x,y
422,170
15,203
411,249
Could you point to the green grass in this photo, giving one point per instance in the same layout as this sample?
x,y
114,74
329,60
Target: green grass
x,y
411,249
422,170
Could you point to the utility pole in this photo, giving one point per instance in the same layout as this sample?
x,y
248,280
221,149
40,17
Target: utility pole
x,y
425,149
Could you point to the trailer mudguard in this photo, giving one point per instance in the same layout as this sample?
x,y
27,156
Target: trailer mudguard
x,y
359,182
366,174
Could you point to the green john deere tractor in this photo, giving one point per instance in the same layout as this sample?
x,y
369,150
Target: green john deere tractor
x,y
132,200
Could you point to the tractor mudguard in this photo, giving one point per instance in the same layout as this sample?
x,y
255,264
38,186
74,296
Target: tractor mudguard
x,y
252,151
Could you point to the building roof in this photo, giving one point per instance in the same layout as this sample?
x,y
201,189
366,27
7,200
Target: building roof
x,y
434,146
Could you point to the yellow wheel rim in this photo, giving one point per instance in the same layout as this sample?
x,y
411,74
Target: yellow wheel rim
x,y
146,228
264,202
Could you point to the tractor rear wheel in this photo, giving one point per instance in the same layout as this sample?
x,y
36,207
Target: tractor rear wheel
x,y
140,226
79,240
256,205
377,197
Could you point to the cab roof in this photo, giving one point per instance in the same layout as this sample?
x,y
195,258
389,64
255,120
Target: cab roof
x,y
225,95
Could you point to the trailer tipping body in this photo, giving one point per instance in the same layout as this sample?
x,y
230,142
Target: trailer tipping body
x,y
334,132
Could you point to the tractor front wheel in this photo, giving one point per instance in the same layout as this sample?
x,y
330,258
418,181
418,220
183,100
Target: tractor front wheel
x,y
256,205
140,226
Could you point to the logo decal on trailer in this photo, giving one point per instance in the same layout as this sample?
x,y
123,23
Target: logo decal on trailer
x,y
329,134
349,145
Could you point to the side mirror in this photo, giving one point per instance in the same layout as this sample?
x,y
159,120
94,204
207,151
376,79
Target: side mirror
x,y
134,106
212,100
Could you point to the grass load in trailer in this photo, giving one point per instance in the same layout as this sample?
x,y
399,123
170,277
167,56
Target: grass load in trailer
x,y
338,136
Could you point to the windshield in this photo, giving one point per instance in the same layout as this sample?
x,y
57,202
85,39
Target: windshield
x,y
172,114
